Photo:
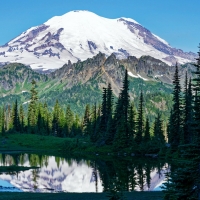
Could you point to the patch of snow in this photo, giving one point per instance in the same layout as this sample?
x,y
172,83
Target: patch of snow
x,y
156,76
26,102
130,20
162,40
132,75
142,77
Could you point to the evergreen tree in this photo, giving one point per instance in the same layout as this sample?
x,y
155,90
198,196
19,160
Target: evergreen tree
x,y
103,119
62,124
86,122
3,121
110,123
76,126
32,109
120,139
196,87
131,124
21,119
184,181
15,117
93,124
158,130
147,132
176,131
170,128
55,121
122,136
47,120
69,120
140,121
188,112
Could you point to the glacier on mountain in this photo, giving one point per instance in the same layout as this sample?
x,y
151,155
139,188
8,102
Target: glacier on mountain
x,y
78,35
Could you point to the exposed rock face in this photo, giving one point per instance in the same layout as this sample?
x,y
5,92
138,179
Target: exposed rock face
x,y
16,73
111,71
31,35
100,68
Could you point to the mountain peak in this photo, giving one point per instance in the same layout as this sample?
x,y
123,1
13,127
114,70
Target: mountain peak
x,y
80,34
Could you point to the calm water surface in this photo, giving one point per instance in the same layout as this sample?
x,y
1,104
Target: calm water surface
x,y
59,174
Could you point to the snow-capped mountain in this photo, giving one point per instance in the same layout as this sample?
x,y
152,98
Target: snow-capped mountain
x,y
78,35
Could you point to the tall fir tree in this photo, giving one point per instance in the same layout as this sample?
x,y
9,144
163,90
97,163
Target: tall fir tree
x,y
158,130
22,119
86,125
122,136
55,120
140,121
176,134
147,132
32,109
104,117
93,123
196,87
3,121
69,120
15,117
131,124
109,124
188,112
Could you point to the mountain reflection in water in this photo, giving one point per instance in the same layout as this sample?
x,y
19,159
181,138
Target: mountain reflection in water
x,y
83,175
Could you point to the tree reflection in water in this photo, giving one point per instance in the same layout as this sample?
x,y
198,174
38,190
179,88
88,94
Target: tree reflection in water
x,y
110,174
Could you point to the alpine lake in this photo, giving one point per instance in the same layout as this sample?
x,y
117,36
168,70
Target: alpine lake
x,y
30,172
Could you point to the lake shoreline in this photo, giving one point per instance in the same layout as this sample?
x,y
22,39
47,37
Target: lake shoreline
x,y
17,142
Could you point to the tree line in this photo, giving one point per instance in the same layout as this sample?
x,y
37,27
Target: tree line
x,y
116,124
183,182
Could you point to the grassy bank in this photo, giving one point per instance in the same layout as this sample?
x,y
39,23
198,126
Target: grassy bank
x,y
24,142
78,196
55,145
32,142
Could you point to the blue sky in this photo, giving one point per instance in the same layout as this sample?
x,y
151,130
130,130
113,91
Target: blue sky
x,y
176,21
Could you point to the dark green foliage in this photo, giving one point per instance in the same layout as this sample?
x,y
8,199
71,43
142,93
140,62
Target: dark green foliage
x,y
111,125
93,137
140,121
183,181
176,131
86,126
122,136
196,88
32,109
21,119
56,129
147,131
15,117
104,117
158,130
188,112
131,125
69,121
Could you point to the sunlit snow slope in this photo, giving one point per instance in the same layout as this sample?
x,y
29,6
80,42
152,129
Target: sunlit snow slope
x,y
79,35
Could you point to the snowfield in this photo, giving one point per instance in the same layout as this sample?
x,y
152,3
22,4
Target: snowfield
x,y
78,35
